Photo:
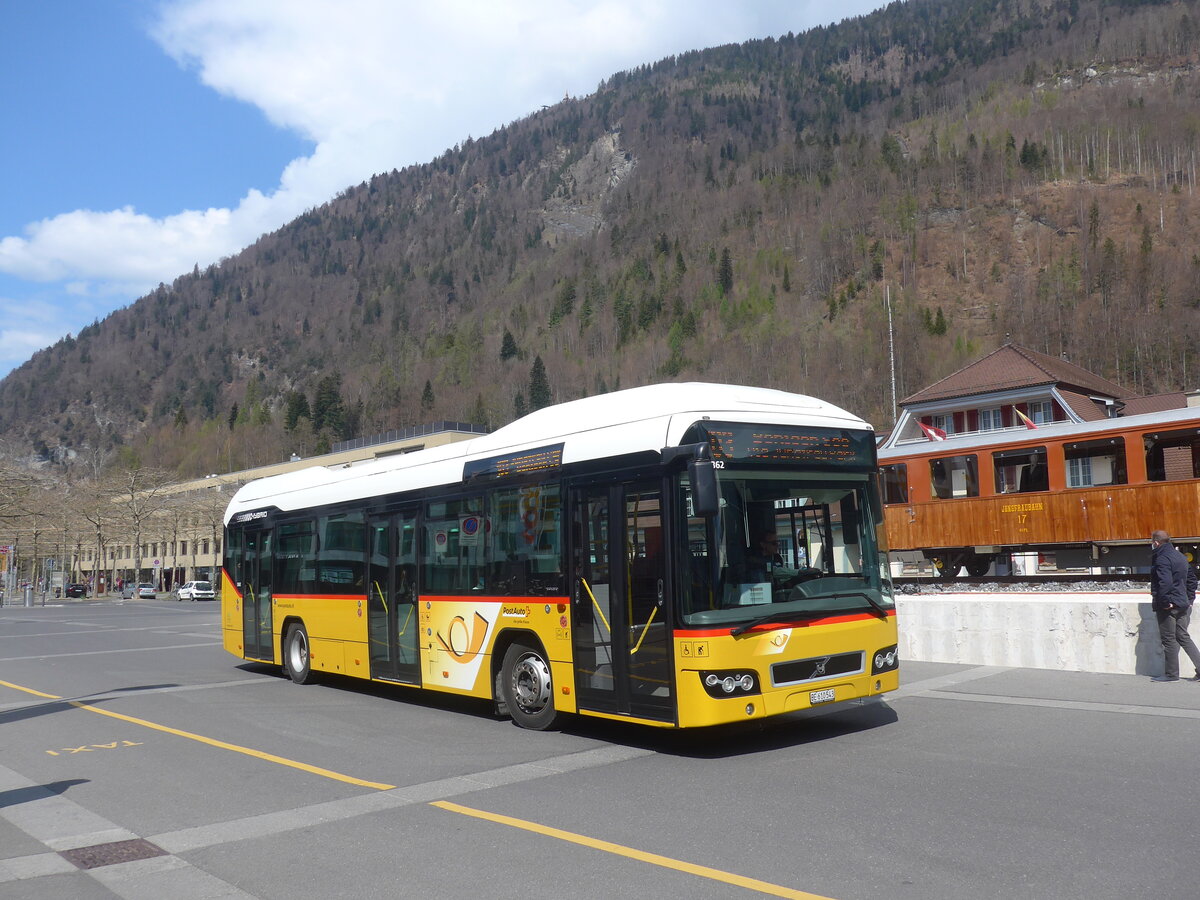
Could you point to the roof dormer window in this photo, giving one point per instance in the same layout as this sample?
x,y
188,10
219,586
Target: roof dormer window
x,y
990,419
1041,412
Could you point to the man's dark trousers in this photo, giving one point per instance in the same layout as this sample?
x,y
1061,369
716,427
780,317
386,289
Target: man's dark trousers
x,y
1173,627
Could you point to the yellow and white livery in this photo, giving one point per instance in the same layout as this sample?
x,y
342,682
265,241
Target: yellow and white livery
x,y
678,555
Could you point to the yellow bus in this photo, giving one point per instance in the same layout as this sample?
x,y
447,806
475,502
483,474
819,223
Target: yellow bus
x,y
603,557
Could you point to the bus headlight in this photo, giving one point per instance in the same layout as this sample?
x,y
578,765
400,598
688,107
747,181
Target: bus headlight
x,y
886,660
730,683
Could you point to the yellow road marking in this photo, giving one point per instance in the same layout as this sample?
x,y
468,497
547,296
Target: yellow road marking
x,y
212,742
750,884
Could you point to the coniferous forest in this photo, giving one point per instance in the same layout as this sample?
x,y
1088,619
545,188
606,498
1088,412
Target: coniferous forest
x,y
994,170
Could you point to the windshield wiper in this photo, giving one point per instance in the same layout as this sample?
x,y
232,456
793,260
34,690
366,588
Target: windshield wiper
x,y
879,608
778,617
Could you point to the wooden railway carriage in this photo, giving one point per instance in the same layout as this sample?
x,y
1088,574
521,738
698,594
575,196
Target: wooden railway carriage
x,y
589,558
1088,492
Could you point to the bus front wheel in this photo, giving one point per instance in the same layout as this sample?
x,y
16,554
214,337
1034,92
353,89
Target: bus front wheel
x,y
296,660
528,691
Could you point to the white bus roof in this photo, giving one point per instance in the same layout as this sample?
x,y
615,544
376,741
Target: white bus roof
x,y
614,424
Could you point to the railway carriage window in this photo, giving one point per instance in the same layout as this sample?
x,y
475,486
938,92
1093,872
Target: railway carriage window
x,y
895,483
954,476
295,571
1095,463
341,544
1173,455
1021,471
455,531
523,547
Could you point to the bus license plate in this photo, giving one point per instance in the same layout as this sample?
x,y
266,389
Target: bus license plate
x,y
825,696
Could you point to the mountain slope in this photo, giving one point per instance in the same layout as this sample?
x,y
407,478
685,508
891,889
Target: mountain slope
x,y
993,167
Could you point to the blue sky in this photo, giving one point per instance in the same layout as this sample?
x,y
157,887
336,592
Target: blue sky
x,y
143,137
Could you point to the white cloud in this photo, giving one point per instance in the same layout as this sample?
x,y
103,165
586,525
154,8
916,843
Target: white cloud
x,y
375,85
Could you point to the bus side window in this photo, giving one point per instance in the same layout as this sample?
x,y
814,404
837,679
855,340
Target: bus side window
x,y
453,549
340,554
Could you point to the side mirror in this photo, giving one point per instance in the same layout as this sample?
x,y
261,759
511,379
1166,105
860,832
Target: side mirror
x,y
706,499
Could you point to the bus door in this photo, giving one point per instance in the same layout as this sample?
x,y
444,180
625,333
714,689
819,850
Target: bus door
x,y
255,580
621,618
392,598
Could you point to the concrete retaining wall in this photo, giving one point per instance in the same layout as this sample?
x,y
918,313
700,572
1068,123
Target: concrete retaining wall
x,y
1093,632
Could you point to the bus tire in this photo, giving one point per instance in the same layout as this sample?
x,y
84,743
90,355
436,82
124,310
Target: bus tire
x,y
527,689
296,660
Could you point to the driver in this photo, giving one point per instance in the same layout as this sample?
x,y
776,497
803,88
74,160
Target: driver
x,y
763,559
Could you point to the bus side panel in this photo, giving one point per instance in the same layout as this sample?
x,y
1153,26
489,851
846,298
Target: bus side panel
x,y
718,651
231,617
336,626
459,636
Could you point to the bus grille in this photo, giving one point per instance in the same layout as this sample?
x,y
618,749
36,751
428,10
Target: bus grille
x,y
818,668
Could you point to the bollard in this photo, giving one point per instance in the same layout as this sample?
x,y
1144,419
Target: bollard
x,y
29,595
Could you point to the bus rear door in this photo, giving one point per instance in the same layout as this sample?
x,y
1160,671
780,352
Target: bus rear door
x,y
392,598
255,580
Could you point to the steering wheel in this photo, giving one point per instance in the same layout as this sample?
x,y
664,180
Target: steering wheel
x,y
800,577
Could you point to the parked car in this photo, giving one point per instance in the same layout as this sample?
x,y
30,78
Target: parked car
x,y
195,590
147,592
77,590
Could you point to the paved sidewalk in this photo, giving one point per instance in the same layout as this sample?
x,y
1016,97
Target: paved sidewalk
x,y
1050,687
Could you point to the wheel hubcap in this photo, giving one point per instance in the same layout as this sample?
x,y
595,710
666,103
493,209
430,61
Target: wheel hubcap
x,y
531,684
299,655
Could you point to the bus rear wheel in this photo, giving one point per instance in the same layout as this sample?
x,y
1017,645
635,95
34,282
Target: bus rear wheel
x,y
527,688
296,660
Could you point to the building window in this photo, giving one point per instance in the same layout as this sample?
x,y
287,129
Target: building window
x,y
205,550
895,483
945,423
954,476
1095,463
989,419
1021,471
1041,412
1079,472
183,548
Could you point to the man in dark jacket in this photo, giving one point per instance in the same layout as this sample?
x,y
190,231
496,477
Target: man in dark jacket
x,y
1172,592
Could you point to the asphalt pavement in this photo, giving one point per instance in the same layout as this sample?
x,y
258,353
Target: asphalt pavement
x,y
139,760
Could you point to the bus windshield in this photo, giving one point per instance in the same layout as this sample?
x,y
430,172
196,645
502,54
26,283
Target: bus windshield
x,y
785,545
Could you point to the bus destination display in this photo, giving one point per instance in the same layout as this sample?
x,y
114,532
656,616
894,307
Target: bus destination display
x,y
785,444
539,459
